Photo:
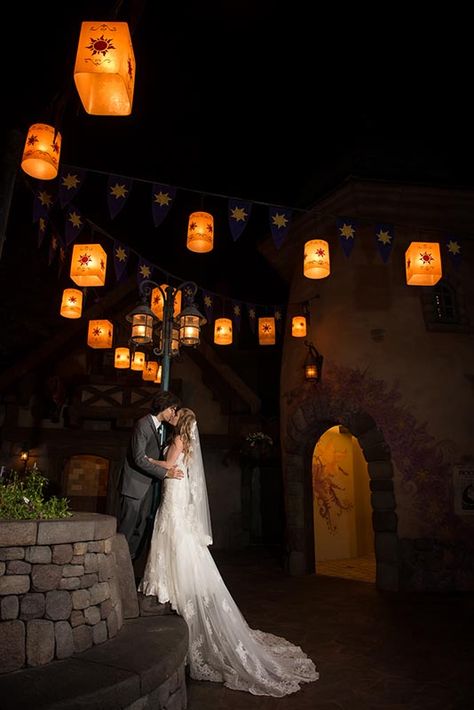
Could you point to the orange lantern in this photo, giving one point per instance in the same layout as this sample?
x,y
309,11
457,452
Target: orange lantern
x,y
71,304
266,331
157,301
138,361
223,331
200,232
122,358
158,375
104,72
100,334
150,371
316,259
88,265
298,327
41,153
423,264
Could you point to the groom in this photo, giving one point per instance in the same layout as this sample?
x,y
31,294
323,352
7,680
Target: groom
x,y
139,476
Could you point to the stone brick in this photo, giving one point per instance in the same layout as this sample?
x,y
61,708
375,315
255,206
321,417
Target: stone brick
x,y
14,532
58,605
91,562
71,583
77,618
112,624
96,546
99,592
53,532
82,638
88,580
108,545
2,568
81,598
78,560
44,578
92,615
11,553
105,527
9,608
106,567
14,584
64,639
12,646
18,567
105,608
99,632
73,571
39,642
62,554
32,606
79,548
40,554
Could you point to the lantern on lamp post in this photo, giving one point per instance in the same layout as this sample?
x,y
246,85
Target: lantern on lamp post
x,y
313,363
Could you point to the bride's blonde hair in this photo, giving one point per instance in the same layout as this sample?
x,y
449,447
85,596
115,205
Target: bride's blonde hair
x,y
184,427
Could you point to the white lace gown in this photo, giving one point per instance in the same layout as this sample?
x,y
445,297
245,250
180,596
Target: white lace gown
x,y
222,647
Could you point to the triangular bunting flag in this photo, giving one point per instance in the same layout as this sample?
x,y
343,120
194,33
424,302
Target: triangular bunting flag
x,y
384,238
53,248
73,223
236,315
347,232
252,313
278,315
61,255
239,214
121,257
118,192
208,302
144,270
454,250
44,198
279,224
162,199
42,227
70,182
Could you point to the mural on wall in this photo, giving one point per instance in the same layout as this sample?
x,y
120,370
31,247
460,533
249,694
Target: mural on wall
x,y
327,489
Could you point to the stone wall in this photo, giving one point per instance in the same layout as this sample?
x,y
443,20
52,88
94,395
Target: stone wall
x,y
59,588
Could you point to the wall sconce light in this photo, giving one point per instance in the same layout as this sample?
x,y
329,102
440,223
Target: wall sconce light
x,y
25,455
313,363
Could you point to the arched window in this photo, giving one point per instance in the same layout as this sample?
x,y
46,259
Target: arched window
x,y
443,308
445,304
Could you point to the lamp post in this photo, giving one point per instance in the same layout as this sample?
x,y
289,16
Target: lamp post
x,y
185,330
313,363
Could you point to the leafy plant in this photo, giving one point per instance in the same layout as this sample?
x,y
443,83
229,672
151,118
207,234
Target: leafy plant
x,y
22,498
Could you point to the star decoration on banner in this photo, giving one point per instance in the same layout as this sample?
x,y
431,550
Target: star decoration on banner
x,y
454,249
162,201
279,220
42,203
45,199
278,319
208,304
347,232
144,271
279,224
75,219
252,316
73,225
69,181
121,255
239,213
42,224
384,237
236,314
118,191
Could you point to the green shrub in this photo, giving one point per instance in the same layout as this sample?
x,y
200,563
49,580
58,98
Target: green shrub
x,y
22,498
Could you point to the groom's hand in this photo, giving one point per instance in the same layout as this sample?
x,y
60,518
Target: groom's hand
x,y
175,472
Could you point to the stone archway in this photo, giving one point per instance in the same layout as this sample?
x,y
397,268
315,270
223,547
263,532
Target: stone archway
x,y
306,424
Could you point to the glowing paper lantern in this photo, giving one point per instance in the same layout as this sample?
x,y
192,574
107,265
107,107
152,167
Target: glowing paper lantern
x,y
150,371
316,259
298,327
41,153
266,331
157,301
122,358
200,232
423,264
138,361
100,334
104,72
71,304
158,375
223,331
88,265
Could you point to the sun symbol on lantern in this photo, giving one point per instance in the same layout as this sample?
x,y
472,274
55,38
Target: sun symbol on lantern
x,y
267,328
101,45
72,300
426,258
320,252
97,332
32,140
84,259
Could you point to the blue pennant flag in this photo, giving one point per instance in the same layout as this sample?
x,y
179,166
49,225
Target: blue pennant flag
x,y
144,270
278,315
236,315
70,182
347,233
73,223
384,238
208,302
42,228
453,247
162,197
121,257
44,199
239,215
118,192
279,224
252,313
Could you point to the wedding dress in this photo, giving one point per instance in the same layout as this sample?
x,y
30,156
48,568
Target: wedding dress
x,y
181,570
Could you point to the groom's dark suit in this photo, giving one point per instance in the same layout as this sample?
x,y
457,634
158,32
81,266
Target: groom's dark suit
x,y
136,479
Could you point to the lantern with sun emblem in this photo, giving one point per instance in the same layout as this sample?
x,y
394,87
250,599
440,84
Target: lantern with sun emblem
x,y
223,331
200,232
157,379
423,264
157,301
316,259
138,361
71,304
41,153
122,358
88,265
104,72
266,331
100,334
150,371
298,326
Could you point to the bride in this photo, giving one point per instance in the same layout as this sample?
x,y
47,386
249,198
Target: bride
x,y
181,570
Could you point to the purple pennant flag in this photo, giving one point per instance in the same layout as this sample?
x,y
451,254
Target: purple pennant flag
x,y
384,238
239,215
42,228
208,302
44,199
144,270
279,224
236,315
278,315
162,199
347,233
252,313
118,192
70,182
453,248
121,257
53,248
73,223
61,254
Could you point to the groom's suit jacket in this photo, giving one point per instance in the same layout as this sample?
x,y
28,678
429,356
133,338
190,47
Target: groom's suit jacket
x,y
137,471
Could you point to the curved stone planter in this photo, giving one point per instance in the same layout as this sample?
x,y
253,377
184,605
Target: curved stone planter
x,y
59,588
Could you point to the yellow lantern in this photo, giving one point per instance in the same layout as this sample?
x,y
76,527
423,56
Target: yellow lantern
x,y
157,379
157,301
223,331
266,331
41,153
71,304
104,72
200,232
100,334
122,358
88,265
138,361
298,327
150,371
423,264
316,259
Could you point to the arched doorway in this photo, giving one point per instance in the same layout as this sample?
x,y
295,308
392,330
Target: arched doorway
x,y
85,483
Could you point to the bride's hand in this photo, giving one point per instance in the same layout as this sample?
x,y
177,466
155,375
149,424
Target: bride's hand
x,y
175,472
